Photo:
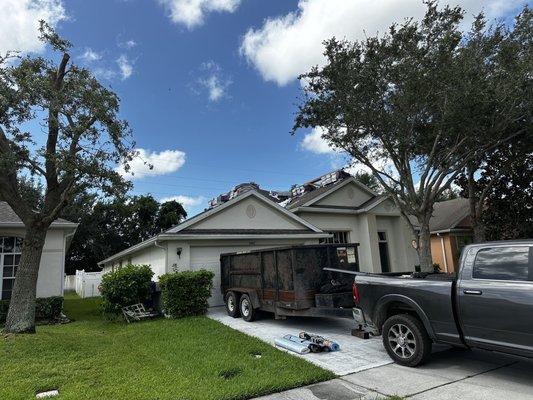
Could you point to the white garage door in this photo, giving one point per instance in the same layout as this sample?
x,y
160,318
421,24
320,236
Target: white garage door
x,y
209,258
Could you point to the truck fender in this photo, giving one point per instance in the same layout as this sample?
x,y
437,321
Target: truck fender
x,y
381,307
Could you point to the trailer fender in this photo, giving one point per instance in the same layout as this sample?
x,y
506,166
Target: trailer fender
x,y
383,304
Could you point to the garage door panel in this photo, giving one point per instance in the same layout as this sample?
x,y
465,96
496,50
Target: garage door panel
x,y
209,258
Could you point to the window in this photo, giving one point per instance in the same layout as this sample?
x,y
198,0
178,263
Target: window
x,y
338,237
10,251
502,263
383,251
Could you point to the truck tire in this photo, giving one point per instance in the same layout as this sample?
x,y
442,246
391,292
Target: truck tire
x,y
406,340
246,308
232,305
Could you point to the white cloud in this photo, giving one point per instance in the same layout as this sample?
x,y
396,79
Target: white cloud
x,y
191,13
314,143
187,202
214,81
125,66
129,44
20,23
289,45
104,73
164,162
215,87
89,55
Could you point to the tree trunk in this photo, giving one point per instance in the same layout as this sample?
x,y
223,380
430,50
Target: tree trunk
x,y
477,226
424,247
475,208
21,313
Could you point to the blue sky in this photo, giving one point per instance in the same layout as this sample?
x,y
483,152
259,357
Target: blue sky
x,y
209,86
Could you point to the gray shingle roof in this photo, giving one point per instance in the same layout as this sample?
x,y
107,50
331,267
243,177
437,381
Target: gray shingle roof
x,y
450,214
8,216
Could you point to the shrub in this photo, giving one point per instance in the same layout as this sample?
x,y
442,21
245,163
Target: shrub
x,y
46,308
125,286
186,293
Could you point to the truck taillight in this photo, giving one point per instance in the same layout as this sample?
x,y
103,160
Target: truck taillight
x,y
355,291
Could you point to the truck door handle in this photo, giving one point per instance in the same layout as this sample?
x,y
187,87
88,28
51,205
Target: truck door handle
x,y
474,292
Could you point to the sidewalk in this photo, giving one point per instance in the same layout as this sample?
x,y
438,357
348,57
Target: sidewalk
x,y
449,375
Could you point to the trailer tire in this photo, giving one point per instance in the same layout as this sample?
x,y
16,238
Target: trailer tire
x,y
232,305
406,340
246,308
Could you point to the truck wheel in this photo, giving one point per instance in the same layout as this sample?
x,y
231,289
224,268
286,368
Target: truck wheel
x,y
246,308
406,340
232,305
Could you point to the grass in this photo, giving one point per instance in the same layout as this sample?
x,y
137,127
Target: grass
x,y
191,358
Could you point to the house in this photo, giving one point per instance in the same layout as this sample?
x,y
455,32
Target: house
x,y
334,208
451,230
52,267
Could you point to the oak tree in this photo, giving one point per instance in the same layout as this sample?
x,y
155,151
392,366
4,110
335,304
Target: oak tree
x,y
61,126
419,103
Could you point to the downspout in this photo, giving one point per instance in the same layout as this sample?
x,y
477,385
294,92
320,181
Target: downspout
x,y
65,239
443,251
166,253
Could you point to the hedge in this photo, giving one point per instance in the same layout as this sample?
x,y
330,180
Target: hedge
x,y
186,293
124,287
46,308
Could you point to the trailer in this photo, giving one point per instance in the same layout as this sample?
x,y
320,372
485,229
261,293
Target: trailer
x,y
290,281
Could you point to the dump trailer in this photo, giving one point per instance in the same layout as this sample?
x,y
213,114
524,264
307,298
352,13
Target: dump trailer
x,y
290,281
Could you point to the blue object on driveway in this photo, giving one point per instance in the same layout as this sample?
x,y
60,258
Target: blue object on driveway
x,y
292,346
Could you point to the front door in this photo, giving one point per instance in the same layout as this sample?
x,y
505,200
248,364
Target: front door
x,y
384,251
496,304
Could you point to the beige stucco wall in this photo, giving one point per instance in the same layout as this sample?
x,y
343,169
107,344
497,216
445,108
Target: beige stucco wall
x,y
198,254
151,255
52,266
363,229
250,213
349,195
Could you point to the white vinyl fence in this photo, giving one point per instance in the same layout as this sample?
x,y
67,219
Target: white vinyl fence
x,y
84,283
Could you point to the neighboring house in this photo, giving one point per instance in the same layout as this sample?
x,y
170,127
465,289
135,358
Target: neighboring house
x,y
334,208
451,230
52,267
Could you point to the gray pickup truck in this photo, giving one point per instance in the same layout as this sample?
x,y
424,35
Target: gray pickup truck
x,y
488,305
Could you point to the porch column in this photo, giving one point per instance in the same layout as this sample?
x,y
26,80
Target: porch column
x,y
369,247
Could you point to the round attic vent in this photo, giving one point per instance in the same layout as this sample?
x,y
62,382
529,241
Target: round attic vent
x,y
351,193
250,211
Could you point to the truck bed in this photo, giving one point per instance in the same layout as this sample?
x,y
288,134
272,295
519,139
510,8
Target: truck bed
x,y
380,293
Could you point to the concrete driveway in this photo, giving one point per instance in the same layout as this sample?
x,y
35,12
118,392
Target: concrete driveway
x,y
366,372
355,354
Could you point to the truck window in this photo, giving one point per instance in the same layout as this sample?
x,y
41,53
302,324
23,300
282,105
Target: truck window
x,y
502,263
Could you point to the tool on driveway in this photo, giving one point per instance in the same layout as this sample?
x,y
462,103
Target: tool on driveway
x,y
306,342
322,342
313,347
292,346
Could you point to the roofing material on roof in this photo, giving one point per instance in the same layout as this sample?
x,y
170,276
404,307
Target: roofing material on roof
x,y
450,214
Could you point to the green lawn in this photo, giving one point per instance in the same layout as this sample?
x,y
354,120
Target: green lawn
x,y
192,358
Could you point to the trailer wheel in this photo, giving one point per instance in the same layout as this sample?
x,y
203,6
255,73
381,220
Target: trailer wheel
x,y
406,340
232,305
247,310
